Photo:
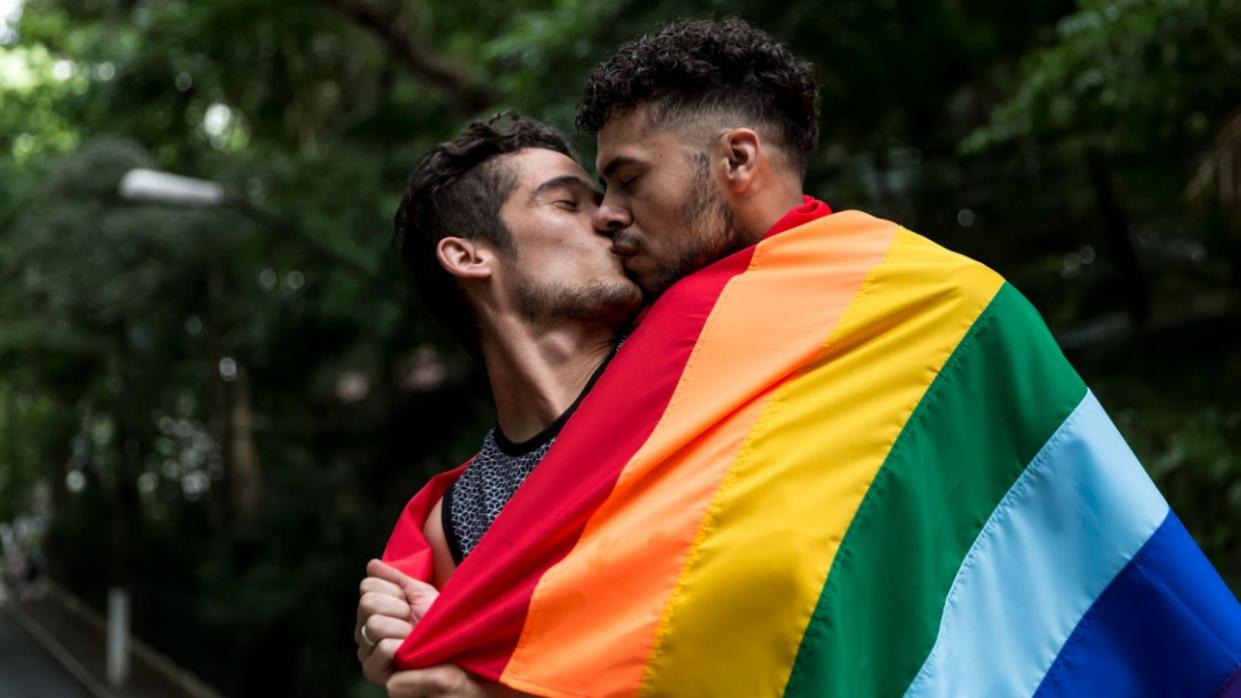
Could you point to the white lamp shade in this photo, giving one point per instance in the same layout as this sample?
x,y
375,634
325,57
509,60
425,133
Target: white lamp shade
x,y
163,188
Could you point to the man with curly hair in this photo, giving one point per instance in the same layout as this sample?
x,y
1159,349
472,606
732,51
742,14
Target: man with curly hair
x,y
704,129
1008,485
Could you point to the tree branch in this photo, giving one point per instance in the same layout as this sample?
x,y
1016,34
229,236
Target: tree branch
x,y
433,69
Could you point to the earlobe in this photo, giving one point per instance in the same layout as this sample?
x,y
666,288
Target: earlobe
x,y
463,258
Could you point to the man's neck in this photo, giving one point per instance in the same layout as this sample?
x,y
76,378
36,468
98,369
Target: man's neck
x,y
536,373
768,208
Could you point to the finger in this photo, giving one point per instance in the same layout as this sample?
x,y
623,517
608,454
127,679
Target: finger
x,y
419,683
376,585
380,628
412,587
379,665
382,616
382,570
372,604
364,648
364,655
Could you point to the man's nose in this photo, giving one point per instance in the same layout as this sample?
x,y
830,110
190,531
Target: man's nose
x,y
610,218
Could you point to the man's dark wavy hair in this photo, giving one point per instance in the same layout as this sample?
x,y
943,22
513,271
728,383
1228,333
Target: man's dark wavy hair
x,y
458,189
695,68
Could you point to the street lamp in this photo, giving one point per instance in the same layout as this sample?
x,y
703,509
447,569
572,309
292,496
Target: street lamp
x,y
141,185
155,187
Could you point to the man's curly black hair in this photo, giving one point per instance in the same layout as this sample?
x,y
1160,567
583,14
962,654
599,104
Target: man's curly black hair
x,y
695,68
458,188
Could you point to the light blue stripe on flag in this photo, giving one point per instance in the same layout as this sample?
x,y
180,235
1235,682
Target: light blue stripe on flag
x,y
1167,626
1082,508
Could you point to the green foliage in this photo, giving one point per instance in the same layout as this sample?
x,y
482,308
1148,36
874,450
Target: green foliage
x,y
1135,74
1192,451
26,425
247,410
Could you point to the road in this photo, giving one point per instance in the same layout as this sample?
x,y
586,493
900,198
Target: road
x,y
26,671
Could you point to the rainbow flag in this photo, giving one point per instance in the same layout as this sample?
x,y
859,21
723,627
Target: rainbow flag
x,y
842,462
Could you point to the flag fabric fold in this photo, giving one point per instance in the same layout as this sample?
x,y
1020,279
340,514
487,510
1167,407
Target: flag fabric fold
x,y
844,461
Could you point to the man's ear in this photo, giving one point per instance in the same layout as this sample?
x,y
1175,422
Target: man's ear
x,y
464,258
739,151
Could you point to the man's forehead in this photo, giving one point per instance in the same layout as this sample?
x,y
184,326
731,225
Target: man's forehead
x,y
536,165
650,129
624,126
630,136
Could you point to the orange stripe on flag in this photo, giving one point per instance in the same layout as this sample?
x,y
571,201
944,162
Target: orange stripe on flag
x,y
594,616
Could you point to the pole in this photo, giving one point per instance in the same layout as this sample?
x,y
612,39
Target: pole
x,y
118,637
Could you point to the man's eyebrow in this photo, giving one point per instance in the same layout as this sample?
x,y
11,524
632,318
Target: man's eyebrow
x,y
615,164
568,180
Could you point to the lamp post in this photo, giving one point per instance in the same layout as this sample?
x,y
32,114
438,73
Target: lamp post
x,y
155,187
162,188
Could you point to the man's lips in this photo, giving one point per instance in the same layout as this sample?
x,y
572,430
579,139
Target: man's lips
x,y
625,247
623,250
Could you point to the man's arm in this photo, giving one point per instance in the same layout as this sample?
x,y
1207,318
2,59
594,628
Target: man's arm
x,y
442,563
392,603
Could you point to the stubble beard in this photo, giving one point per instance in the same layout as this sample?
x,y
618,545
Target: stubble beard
x,y
548,301
708,230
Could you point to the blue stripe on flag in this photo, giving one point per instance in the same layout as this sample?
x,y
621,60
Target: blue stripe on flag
x,y
1081,509
1166,626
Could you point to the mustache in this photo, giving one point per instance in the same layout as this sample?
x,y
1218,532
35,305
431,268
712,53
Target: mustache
x,y
628,243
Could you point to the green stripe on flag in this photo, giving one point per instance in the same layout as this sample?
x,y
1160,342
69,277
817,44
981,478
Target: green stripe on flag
x,y
1000,396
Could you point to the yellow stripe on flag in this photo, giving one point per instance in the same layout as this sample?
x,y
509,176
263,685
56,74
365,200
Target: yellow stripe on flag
x,y
767,541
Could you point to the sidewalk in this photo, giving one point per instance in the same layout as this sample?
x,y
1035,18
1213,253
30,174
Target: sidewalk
x,y
75,636
27,671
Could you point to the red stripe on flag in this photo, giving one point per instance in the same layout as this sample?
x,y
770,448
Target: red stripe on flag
x,y
479,616
408,549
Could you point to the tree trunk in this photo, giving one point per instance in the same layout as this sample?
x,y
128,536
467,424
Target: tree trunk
x,y
125,501
433,69
246,482
1133,282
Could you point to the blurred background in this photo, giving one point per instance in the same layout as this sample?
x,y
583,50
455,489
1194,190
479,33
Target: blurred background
x,y
217,396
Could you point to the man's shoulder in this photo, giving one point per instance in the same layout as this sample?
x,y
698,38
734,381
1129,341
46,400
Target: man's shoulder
x,y
904,256
408,548
420,506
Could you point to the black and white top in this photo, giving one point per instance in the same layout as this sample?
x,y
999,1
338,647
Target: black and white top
x,y
472,503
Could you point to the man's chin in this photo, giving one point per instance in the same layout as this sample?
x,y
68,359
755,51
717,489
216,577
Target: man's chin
x,y
647,282
629,303
653,284
612,304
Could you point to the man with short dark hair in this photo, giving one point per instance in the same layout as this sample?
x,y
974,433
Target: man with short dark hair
x,y
495,227
704,130
460,201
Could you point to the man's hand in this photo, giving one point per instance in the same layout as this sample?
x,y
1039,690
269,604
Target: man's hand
x,y
391,604
445,681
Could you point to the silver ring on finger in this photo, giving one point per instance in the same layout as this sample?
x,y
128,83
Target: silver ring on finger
x,y
366,641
